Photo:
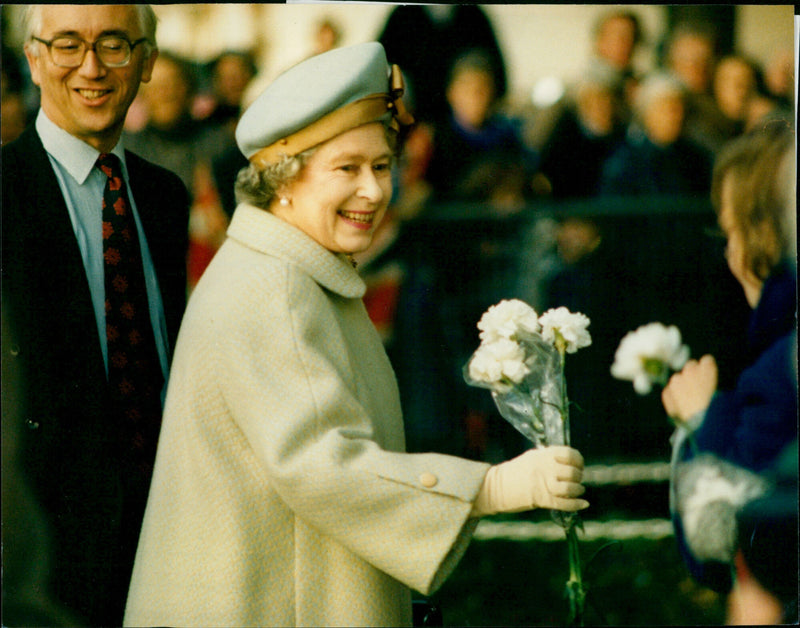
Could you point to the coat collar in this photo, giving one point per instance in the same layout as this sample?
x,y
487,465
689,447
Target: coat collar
x,y
775,314
260,230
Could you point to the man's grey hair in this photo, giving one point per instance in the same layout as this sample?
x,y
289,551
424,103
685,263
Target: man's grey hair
x,y
32,24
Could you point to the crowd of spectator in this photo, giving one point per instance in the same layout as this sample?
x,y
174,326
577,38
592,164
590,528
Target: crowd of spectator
x,y
616,132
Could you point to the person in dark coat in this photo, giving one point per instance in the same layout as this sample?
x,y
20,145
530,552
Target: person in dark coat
x,y
656,157
425,40
584,136
477,151
750,425
79,452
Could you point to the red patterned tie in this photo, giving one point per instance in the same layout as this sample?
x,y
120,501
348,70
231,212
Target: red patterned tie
x,y
134,370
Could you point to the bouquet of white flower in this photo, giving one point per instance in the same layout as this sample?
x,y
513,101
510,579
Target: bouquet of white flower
x,y
521,360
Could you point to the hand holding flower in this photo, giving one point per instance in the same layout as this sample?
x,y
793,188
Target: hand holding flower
x,y
540,478
690,391
521,360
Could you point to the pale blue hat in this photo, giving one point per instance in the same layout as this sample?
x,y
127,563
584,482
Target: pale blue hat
x,y
319,99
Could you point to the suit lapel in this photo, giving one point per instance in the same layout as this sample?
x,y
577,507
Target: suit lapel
x,y
53,258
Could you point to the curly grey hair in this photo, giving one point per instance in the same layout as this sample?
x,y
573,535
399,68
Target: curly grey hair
x,y
258,186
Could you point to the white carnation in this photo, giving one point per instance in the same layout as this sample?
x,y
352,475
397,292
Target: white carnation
x,y
645,356
499,364
572,327
506,319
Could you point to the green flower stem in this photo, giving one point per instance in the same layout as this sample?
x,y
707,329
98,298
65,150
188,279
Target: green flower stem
x,y
561,346
575,590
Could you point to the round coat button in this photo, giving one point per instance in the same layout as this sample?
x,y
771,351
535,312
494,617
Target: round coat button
x,y
428,480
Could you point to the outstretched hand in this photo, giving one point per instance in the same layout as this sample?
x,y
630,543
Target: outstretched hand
x,y
540,478
691,390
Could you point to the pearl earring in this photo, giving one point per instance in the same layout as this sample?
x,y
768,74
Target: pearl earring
x,y
284,201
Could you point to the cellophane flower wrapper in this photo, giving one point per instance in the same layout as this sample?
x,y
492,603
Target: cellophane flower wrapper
x,y
534,405
520,360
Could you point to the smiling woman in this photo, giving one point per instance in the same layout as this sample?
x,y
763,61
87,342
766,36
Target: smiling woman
x,y
282,493
336,193
341,195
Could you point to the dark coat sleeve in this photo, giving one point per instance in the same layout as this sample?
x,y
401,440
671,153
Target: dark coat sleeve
x,y
751,425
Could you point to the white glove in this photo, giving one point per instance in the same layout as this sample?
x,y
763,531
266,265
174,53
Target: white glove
x,y
539,478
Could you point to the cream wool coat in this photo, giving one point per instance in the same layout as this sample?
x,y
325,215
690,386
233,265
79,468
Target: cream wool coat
x,y
281,495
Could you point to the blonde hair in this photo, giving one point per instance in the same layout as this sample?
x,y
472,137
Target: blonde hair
x,y
752,163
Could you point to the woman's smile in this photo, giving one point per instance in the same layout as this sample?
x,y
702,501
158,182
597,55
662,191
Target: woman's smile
x,y
341,195
360,220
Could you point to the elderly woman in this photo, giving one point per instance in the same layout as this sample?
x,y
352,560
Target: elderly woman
x,y
656,156
750,425
281,493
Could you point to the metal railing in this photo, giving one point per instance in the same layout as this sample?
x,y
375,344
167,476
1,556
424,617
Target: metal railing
x,y
657,261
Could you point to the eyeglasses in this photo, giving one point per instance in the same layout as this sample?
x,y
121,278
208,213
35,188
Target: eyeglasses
x,y
113,51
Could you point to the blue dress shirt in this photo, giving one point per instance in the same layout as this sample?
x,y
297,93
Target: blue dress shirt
x,y
82,187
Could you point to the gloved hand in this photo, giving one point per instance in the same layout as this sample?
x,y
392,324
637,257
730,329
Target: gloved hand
x,y
540,478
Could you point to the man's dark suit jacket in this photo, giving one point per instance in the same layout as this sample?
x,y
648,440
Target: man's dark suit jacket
x,y
69,448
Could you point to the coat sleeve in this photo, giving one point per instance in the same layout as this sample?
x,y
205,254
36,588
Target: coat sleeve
x,y
751,425
292,392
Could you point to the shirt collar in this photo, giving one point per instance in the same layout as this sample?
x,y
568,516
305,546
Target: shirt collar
x,y
74,155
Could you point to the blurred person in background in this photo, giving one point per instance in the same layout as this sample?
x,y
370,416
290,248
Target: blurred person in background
x,y
477,151
589,130
426,40
750,425
616,35
95,305
656,157
174,139
691,57
734,88
231,72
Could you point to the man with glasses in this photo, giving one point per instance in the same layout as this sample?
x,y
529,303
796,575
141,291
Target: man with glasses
x,y
94,248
